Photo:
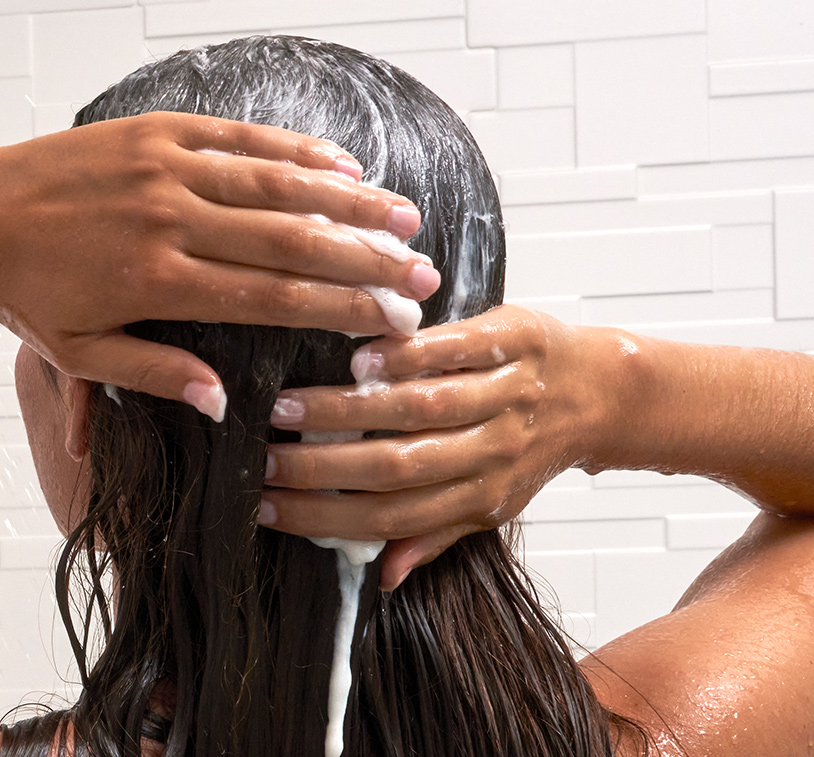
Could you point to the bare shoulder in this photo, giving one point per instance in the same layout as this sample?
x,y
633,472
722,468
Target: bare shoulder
x,y
731,670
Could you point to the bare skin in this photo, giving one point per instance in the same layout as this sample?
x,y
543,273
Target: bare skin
x,y
729,671
740,642
126,220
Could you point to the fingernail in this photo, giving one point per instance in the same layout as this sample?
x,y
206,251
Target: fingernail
x,y
287,411
209,399
424,280
271,466
386,595
367,364
349,168
267,516
404,220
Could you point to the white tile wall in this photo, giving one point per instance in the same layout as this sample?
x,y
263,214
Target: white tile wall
x,y
761,126
642,101
763,76
665,260
656,161
523,22
759,30
793,238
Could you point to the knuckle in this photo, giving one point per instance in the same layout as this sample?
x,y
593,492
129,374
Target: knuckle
x,y
277,186
414,354
152,276
396,464
358,205
282,294
157,211
309,150
299,243
385,523
510,447
530,394
361,305
145,375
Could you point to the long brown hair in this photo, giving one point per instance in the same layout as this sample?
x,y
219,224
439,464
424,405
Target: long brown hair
x,y
462,660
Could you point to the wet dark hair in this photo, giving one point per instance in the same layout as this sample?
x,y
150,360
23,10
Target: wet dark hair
x,y
462,660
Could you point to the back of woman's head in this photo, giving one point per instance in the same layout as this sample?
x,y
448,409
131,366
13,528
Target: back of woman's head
x,y
461,660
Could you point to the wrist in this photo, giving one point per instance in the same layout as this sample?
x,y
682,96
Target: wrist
x,y
616,369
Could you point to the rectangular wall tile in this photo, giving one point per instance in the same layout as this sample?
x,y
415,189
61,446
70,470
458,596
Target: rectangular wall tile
x,y
174,19
51,118
34,642
655,212
528,22
582,185
761,77
53,6
376,38
794,261
16,118
796,335
642,101
12,431
742,257
594,534
29,552
727,176
581,630
707,530
612,479
656,578
15,46
9,342
113,36
412,35
602,263
760,29
7,368
33,520
630,312
535,77
569,575
565,309
539,139
631,502
465,79
761,126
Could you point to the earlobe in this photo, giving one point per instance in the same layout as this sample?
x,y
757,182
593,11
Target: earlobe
x,y
76,424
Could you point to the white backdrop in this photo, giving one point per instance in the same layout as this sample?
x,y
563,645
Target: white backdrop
x,y
656,164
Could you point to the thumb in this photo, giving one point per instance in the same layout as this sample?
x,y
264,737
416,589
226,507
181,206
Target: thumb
x,y
403,555
158,369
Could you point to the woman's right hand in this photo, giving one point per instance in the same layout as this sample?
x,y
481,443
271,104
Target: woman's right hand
x,y
147,218
513,398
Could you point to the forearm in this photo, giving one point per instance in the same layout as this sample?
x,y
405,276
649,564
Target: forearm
x,y
742,417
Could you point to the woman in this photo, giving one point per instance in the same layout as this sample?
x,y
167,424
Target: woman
x,y
222,640
462,644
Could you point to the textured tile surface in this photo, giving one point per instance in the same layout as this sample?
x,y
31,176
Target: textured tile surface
x,y
656,162
642,101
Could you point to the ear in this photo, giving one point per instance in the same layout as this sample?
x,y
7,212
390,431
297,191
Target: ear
x,y
77,396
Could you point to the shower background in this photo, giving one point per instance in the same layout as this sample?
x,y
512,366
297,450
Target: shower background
x,y
656,164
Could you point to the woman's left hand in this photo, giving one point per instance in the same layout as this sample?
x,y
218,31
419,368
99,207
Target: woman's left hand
x,y
513,398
